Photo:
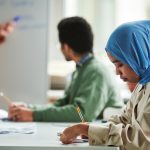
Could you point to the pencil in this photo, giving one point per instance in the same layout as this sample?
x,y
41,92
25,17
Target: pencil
x,y
7,99
80,114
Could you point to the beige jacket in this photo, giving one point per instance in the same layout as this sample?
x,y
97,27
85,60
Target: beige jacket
x,y
131,129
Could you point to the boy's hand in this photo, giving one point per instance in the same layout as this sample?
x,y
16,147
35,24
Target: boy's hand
x,y
20,113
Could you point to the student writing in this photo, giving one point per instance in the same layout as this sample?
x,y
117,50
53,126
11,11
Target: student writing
x,y
128,48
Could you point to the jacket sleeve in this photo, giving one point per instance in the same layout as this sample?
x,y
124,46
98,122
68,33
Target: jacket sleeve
x,y
111,133
90,97
121,132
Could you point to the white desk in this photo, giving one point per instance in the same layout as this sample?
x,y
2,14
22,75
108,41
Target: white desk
x,y
45,138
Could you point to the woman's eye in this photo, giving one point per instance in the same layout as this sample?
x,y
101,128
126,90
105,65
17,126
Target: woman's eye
x,y
118,64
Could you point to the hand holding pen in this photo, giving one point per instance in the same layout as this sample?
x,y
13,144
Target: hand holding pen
x,y
7,28
17,111
70,134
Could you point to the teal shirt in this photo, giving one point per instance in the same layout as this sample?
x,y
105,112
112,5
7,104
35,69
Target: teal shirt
x,y
91,88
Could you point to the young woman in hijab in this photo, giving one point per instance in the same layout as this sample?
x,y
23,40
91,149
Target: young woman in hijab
x,y
128,48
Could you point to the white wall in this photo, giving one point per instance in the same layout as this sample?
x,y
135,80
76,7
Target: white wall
x,y
23,58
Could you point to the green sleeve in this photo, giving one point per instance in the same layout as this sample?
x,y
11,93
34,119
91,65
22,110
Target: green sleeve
x,y
89,97
65,113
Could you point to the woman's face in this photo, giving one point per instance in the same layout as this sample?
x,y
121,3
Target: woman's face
x,y
125,72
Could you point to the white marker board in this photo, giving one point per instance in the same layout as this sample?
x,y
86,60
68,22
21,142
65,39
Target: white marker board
x,y
23,57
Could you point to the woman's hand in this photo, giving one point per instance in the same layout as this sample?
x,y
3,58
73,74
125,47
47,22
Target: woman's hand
x,y
71,133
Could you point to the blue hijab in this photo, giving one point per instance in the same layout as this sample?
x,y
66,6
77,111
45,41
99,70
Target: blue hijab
x,y
130,44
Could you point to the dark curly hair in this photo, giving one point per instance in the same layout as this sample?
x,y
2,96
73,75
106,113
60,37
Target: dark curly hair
x,y
77,33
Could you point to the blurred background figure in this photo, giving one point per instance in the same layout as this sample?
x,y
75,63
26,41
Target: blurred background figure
x,y
5,30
